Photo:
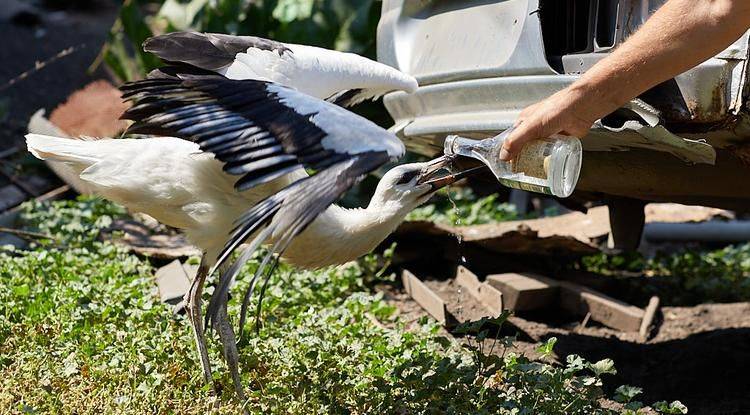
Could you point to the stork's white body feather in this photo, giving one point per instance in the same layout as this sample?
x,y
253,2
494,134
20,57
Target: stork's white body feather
x,y
173,181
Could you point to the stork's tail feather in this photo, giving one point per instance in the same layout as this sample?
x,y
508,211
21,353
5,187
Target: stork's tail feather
x,y
76,153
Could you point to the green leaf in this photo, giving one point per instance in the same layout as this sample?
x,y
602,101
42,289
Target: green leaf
x,y
603,367
181,16
676,407
625,393
287,11
545,349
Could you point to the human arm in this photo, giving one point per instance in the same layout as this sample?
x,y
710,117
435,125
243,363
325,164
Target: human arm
x,y
679,36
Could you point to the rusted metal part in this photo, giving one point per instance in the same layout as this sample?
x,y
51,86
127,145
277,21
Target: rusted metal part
x,y
742,152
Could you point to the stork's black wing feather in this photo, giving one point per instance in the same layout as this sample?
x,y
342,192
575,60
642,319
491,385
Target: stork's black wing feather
x,y
284,215
241,122
348,97
210,51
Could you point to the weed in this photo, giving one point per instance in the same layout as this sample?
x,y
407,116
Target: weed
x,y
82,331
687,277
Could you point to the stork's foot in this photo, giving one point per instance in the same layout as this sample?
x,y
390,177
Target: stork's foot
x,y
193,309
229,345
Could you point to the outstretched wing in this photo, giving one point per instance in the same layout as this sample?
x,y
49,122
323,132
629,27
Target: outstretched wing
x,y
343,78
259,130
262,131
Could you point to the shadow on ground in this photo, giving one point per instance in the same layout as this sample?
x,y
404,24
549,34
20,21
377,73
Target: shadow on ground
x,y
709,372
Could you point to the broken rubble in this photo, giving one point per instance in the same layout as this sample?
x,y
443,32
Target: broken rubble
x,y
448,303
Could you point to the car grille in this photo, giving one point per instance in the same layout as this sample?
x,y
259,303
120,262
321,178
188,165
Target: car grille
x,y
577,26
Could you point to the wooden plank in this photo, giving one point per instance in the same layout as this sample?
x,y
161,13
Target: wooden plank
x,y
524,292
609,311
648,316
468,280
491,298
425,297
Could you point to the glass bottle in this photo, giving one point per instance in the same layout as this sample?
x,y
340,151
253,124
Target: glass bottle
x,y
550,166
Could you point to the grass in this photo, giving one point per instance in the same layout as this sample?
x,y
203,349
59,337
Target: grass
x,y
82,331
687,277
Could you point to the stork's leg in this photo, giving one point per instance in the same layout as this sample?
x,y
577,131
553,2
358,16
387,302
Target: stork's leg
x,y
231,355
229,344
193,307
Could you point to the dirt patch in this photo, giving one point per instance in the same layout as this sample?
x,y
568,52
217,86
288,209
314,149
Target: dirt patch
x,y
459,303
699,355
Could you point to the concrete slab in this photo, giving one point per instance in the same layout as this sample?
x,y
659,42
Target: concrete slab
x,y
173,282
525,292
190,270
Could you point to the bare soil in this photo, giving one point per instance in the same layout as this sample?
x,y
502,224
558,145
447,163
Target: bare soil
x,y
699,355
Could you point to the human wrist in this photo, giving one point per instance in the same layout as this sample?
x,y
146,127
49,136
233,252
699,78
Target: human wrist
x,y
592,100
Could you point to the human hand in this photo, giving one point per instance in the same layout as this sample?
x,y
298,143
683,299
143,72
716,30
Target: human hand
x,y
567,112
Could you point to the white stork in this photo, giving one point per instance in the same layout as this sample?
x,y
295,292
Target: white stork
x,y
267,135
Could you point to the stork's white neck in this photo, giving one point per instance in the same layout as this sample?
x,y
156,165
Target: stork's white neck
x,y
340,235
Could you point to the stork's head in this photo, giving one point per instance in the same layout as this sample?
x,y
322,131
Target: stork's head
x,y
399,191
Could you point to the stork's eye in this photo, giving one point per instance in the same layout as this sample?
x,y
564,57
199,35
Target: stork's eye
x,y
406,177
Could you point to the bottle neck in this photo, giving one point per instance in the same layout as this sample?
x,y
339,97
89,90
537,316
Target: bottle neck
x,y
462,146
